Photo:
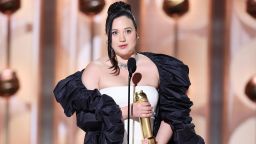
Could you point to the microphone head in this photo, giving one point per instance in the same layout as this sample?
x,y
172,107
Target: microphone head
x,y
131,65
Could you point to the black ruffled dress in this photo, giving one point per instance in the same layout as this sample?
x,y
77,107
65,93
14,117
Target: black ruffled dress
x,y
100,117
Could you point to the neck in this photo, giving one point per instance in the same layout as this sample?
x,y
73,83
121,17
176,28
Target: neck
x,y
124,64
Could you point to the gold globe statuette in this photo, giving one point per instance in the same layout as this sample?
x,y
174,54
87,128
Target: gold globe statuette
x,y
145,123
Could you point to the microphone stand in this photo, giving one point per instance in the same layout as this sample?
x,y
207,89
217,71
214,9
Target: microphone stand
x,y
128,123
131,69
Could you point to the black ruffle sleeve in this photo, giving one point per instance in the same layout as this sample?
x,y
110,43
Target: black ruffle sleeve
x,y
98,115
174,105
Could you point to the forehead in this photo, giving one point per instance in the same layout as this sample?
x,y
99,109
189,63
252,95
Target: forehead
x,y
122,22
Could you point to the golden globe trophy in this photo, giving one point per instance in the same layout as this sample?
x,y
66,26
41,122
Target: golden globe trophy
x,y
145,122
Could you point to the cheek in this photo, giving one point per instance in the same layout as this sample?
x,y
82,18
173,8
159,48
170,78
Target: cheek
x,y
114,41
133,38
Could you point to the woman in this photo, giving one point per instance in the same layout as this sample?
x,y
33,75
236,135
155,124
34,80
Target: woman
x,y
98,94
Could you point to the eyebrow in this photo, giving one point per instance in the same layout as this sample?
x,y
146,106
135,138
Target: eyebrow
x,y
124,28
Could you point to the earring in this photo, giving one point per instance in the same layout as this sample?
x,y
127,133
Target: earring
x,y
138,37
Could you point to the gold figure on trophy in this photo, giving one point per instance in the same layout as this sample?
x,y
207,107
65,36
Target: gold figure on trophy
x,y
145,122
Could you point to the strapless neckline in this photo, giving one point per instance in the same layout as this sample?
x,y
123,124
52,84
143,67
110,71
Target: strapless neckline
x,y
139,86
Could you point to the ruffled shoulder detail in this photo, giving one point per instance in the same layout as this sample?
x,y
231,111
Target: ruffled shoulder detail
x,y
97,114
174,104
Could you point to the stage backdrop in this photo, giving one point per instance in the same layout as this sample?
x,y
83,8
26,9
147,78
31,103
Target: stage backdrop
x,y
186,38
25,55
157,34
240,111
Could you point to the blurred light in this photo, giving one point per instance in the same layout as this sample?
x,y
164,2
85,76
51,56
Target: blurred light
x,y
250,89
9,83
9,6
175,8
91,7
251,8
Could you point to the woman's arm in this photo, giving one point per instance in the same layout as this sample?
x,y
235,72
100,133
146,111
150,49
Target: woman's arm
x,y
142,109
125,112
91,76
164,133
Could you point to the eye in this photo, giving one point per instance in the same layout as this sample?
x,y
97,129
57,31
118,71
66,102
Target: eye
x,y
128,31
114,33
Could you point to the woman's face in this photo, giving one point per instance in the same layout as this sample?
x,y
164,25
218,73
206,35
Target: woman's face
x,y
124,36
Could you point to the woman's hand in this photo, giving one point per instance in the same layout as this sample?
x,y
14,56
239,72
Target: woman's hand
x,y
147,141
142,109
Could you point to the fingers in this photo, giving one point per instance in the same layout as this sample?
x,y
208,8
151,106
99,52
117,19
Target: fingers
x,y
145,141
146,106
143,115
142,109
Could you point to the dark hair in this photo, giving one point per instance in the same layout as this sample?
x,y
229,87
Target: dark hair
x,y
116,10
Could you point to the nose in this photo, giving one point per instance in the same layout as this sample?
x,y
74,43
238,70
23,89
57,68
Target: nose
x,y
122,37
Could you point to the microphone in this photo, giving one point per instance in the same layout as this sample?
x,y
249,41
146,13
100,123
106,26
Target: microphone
x,y
131,64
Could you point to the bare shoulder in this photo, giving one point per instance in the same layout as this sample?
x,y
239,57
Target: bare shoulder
x,y
93,66
145,61
92,73
149,70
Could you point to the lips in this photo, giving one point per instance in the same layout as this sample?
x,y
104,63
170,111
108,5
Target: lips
x,y
123,46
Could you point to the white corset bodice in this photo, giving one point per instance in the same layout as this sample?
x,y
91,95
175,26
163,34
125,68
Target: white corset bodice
x,y
120,95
